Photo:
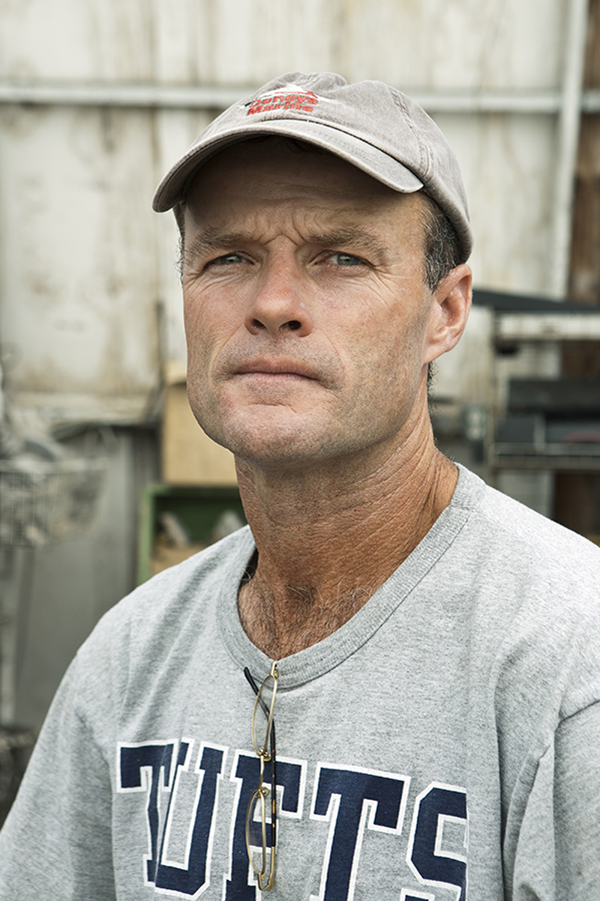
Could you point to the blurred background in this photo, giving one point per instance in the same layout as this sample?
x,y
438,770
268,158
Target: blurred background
x,y
103,476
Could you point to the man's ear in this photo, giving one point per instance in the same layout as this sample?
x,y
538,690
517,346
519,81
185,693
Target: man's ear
x,y
449,312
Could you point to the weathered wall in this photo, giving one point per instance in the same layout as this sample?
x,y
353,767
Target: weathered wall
x,y
77,267
84,262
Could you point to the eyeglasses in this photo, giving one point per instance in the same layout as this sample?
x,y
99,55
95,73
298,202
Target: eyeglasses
x,y
263,862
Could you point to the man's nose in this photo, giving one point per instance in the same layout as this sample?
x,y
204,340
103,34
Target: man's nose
x,y
279,302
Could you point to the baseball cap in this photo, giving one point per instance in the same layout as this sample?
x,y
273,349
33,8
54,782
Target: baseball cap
x,y
370,124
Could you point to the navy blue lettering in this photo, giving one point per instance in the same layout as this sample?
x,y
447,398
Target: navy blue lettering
x,y
139,770
247,771
433,864
189,877
350,800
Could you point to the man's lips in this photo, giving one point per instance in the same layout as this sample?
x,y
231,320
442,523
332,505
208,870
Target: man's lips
x,y
320,368
277,368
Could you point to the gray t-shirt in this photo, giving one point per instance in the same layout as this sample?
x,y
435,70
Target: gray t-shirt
x,y
443,744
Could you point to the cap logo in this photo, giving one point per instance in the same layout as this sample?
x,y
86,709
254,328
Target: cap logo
x,y
303,101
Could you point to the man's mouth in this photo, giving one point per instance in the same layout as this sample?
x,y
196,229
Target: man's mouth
x,y
277,368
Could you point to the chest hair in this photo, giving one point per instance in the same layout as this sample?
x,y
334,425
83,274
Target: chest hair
x,y
289,622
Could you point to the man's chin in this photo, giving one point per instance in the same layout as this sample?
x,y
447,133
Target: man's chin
x,y
275,453
269,448
269,434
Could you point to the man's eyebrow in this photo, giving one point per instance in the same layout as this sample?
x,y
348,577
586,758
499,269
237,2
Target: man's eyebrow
x,y
356,237
213,238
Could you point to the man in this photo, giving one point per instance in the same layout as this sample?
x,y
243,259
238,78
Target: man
x,y
427,648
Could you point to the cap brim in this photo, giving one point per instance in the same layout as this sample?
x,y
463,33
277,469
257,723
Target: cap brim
x,y
359,153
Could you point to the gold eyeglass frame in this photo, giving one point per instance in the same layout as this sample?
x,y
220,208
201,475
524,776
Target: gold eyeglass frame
x,y
265,752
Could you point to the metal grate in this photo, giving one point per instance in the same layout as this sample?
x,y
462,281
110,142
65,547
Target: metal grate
x,y
45,501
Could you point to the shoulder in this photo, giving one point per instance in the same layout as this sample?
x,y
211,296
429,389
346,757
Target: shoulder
x,y
536,585
515,540
141,631
174,590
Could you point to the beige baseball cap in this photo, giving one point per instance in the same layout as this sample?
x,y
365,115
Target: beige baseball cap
x,y
370,124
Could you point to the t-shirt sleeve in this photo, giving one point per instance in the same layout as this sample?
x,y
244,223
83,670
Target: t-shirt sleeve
x,y
56,842
558,854
577,806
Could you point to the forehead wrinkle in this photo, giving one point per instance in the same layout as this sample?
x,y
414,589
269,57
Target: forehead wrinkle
x,y
215,238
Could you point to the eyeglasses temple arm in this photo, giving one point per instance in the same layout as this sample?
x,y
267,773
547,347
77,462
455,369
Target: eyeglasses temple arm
x,y
255,689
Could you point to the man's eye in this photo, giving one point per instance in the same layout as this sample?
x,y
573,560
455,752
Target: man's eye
x,y
227,259
347,259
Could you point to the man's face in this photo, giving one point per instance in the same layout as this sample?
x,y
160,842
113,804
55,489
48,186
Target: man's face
x,y
308,322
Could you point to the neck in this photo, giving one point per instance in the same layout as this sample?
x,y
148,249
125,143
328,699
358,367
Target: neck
x,y
328,538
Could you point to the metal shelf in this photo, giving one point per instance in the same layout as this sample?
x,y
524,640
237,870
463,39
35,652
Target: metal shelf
x,y
578,458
